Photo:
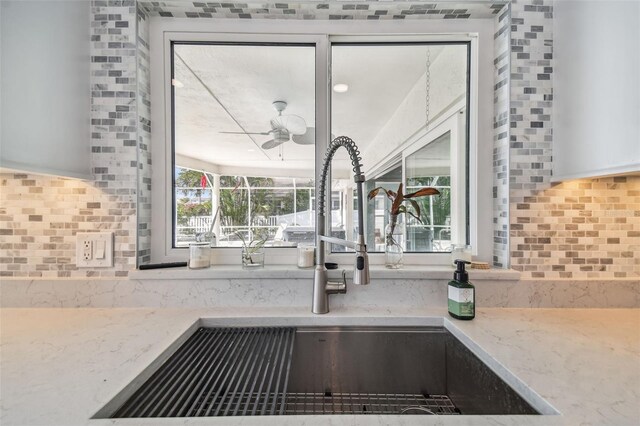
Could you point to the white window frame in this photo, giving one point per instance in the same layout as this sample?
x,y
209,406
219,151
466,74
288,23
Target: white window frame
x,y
320,33
454,124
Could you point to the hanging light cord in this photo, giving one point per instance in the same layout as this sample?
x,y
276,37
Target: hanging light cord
x,y
427,88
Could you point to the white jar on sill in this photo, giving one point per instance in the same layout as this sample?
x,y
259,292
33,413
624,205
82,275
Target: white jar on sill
x,y
306,255
199,255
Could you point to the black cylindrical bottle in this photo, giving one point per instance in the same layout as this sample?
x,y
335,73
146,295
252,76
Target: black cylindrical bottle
x,y
461,294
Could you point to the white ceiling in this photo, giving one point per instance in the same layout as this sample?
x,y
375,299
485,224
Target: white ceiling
x,y
245,80
379,78
231,88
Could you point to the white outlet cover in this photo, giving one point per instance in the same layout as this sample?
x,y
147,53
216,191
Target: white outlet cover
x,y
93,238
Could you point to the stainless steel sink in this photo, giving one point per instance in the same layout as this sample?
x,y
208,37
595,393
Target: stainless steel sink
x,y
234,371
393,371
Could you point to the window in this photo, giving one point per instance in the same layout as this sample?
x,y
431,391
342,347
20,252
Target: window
x,y
394,100
238,170
243,121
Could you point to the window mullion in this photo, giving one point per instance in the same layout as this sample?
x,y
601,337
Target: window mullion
x,y
323,115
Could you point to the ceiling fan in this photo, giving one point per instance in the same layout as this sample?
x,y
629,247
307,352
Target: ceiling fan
x,y
284,128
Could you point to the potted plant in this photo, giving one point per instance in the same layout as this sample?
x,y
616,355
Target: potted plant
x,y
394,232
252,252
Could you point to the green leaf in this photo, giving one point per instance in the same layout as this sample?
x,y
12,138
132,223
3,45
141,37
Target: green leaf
x,y
244,243
258,245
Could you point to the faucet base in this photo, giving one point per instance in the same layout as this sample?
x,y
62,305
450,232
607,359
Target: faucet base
x,y
320,304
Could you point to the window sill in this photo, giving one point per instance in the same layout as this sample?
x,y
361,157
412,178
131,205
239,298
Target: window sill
x,y
442,272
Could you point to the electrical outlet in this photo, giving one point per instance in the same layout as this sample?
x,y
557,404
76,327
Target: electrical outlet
x,y
86,249
94,249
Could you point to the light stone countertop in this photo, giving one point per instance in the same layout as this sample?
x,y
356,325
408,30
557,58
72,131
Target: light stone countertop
x,y
378,272
60,366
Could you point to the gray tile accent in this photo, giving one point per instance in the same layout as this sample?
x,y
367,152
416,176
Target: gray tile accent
x,y
530,132
114,122
144,138
366,9
502,67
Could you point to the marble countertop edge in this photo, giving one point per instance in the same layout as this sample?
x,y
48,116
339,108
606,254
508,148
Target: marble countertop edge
x,y
288,272
442,272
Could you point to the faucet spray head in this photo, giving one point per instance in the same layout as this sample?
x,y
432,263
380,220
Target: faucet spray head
x,y
361,267
361,270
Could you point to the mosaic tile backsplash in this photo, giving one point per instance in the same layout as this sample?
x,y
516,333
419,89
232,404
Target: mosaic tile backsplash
x,y
144,138
319,10
40,216
586,228
581,229
501,61
530,132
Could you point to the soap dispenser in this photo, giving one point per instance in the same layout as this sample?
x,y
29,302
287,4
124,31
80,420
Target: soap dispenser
x,y
461,294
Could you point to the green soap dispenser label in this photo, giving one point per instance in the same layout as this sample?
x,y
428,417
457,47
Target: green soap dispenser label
x,y
461,301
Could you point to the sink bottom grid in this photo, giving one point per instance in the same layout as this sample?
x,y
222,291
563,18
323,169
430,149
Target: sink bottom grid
x,y
368,403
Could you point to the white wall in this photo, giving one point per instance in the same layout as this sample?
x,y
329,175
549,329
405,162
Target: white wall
x,y
596,88
45,87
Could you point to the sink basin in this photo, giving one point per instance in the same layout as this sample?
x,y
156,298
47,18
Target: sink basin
x,y
416,370
244,371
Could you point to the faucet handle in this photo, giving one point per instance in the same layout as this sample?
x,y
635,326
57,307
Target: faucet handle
x,y
338,287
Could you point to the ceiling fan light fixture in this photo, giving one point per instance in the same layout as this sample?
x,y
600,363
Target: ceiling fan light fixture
x,y
281,135
340,88
279,106
283,127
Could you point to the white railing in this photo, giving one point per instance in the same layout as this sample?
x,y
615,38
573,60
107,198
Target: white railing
x,y
197,226
200,223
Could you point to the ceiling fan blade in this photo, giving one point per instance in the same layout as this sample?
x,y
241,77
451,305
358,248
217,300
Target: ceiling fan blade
x,y
293,123
308,138
247,133
270,144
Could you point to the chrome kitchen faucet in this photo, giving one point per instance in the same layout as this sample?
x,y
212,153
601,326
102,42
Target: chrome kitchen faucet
x,y
322,287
